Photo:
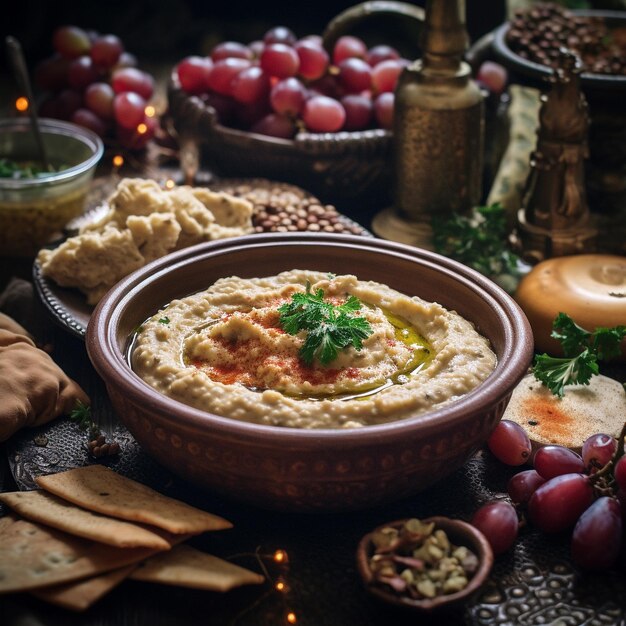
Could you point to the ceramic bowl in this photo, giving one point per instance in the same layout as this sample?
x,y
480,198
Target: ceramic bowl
x,y
295,469
459,533
33,209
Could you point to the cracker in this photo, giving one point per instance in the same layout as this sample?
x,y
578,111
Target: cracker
x,y
100,489
44,507
79,596
33,555
185,566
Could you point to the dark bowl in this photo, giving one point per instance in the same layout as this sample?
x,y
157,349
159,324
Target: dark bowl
x,y
298,469
536,73
460,534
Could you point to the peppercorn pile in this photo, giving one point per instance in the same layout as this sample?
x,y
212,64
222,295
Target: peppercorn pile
x,y
537,34
281,208
418,560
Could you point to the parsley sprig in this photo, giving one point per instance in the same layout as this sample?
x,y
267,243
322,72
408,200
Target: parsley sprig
x,y
329,327
478,240
582,350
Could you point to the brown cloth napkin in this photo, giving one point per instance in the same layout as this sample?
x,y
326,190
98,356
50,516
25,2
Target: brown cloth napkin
x,y
33,388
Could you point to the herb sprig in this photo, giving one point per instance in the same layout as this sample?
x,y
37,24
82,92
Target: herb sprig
x,y
478,240
329,327
582,349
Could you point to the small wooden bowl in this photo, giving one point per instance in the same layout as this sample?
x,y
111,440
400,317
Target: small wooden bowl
x,y
460,533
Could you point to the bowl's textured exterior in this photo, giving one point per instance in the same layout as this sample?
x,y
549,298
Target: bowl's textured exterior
x,y
295,469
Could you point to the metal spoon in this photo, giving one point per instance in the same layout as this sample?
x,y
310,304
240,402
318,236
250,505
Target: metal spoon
x,y
21,74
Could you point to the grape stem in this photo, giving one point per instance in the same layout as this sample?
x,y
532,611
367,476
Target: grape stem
x,y
619,451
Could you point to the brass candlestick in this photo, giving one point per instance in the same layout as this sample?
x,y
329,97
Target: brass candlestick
x,y
554,219
438,132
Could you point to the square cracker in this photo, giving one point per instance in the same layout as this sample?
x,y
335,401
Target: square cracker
x,y
185,566
44,507
80,595
100,489
33,555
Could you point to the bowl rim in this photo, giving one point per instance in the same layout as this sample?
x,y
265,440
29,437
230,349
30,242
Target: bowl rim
x,y
54,127
479,543
539,71
113,367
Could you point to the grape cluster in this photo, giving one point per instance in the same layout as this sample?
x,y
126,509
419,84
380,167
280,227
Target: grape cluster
x,y
279,85
586,492
92,81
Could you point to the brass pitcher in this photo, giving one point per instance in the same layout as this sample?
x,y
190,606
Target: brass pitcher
x,y
438,132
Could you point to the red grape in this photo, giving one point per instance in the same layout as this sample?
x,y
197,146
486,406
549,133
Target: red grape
x,y
385,75
359,111
275,126
280,60
322,114
598,450
559,502
129,109
551,461
132,79
522,486
383,110
71,41
230,50
99,99
126,60
509,442
51,74
223,105
377,54
137,138
223,73
257,48
347,47
313,59
620,473
82,72
250,85
88,119
287,97
355,75
326,86
106,50
68,101
597,536
498,522
279,34
493,76
193,74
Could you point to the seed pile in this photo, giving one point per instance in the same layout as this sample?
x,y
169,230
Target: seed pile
x,y
282,208
537,34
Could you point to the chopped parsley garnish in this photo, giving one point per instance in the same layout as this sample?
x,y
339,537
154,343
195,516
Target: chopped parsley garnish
x,y
81,414
329,327
582,350
164,320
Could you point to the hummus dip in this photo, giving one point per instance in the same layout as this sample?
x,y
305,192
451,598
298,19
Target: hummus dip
x,y
224,351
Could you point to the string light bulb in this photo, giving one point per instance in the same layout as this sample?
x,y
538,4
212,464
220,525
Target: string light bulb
x,y
21,104
291,618
169,184
150,111
118,160
280,556
142,129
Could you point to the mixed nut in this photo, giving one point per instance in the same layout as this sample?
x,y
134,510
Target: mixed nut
x,y
417,559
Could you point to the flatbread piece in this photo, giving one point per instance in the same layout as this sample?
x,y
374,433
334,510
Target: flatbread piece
x,y
100,489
